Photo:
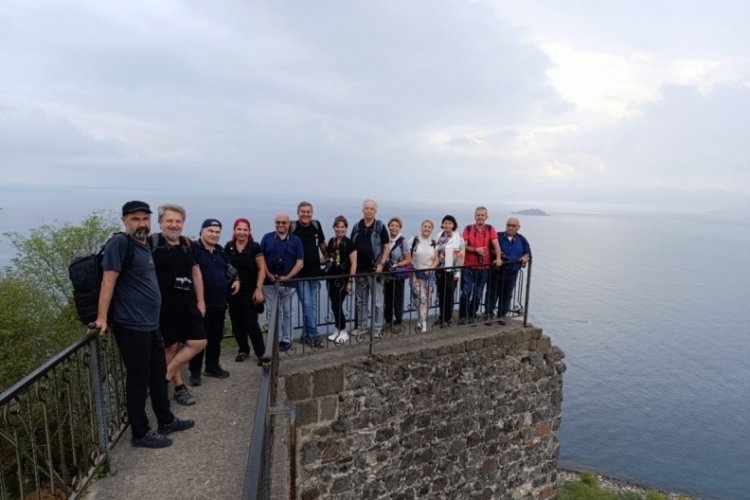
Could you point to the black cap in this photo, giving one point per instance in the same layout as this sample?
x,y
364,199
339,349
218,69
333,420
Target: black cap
x,y
135,206
210,222
450,218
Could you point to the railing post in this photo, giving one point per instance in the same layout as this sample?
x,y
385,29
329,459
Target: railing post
x,y
526,301
372,314
101,414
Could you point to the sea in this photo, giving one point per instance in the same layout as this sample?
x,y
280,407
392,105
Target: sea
x,y
650,306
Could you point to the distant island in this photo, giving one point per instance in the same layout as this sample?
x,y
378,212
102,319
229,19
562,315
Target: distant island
x,y
530,211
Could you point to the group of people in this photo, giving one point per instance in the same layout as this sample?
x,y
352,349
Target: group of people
x,y
376,260
165,296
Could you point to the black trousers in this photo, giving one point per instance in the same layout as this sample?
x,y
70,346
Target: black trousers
x,y
446,288
244,318
500,292
336,296
393,296
213,322
146,372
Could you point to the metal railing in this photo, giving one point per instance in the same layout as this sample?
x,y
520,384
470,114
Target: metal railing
x,y
58,423
519,307
258,472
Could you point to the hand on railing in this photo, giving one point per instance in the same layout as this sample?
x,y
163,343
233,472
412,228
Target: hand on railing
x,y
94,328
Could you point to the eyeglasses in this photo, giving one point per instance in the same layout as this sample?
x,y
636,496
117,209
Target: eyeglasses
x,y
280,222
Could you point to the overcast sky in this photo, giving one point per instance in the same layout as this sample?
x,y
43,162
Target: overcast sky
x,y
565,100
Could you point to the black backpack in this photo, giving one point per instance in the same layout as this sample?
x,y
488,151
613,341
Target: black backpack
x,y
86,275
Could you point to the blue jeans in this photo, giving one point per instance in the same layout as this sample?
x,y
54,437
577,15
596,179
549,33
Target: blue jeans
x,y
282,293
367,288
473,282
307,293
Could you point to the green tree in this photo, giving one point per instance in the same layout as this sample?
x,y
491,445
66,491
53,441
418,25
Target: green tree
x,y
44,254
37,315
26,320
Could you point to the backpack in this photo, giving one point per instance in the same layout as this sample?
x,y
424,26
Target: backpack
x,y
315,223
86,276
375,242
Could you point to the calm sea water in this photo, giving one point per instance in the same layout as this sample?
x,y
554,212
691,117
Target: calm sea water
x,y
651,310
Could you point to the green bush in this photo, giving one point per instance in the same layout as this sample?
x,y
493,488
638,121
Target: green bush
x,y
37,315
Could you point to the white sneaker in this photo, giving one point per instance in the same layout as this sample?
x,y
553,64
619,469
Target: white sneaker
x,y
342,338
332,337
424,326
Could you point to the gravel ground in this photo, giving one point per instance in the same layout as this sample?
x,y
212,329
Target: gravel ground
x,y
619,485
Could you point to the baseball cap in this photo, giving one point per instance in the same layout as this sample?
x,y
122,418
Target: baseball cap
x,y
135,206
210,222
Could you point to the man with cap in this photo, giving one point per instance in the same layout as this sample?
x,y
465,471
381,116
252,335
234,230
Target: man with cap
x,y
216,270
129,299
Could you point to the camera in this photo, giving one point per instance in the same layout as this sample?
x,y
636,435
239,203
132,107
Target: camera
x,y
183,283
277,266
328,266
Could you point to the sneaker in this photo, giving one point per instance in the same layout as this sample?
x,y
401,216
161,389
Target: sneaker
x,y
284,346
461,321
242,357
424,326
397,328
177,425
195,379
151,439
342,338
332,337
217,372
376,335
501,321
184,397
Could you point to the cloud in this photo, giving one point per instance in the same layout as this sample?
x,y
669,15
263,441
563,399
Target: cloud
x,y
366,97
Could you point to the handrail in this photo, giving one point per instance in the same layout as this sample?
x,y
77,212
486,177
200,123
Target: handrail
x,y
58,422
519,302
258,471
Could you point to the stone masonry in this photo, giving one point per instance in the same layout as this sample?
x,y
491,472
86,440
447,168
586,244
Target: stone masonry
x,y
470,413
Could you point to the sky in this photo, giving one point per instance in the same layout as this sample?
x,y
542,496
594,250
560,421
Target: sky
x,y
597,101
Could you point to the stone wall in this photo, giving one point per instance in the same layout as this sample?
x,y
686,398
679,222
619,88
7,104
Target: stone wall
x,y
469,413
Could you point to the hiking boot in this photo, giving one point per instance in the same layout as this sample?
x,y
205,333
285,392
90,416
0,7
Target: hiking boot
x,y
151,439
217,372
177,425
195,379
184,397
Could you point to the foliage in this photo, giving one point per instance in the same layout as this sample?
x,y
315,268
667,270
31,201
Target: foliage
x,y
588,488
26,319
44,255
37,316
